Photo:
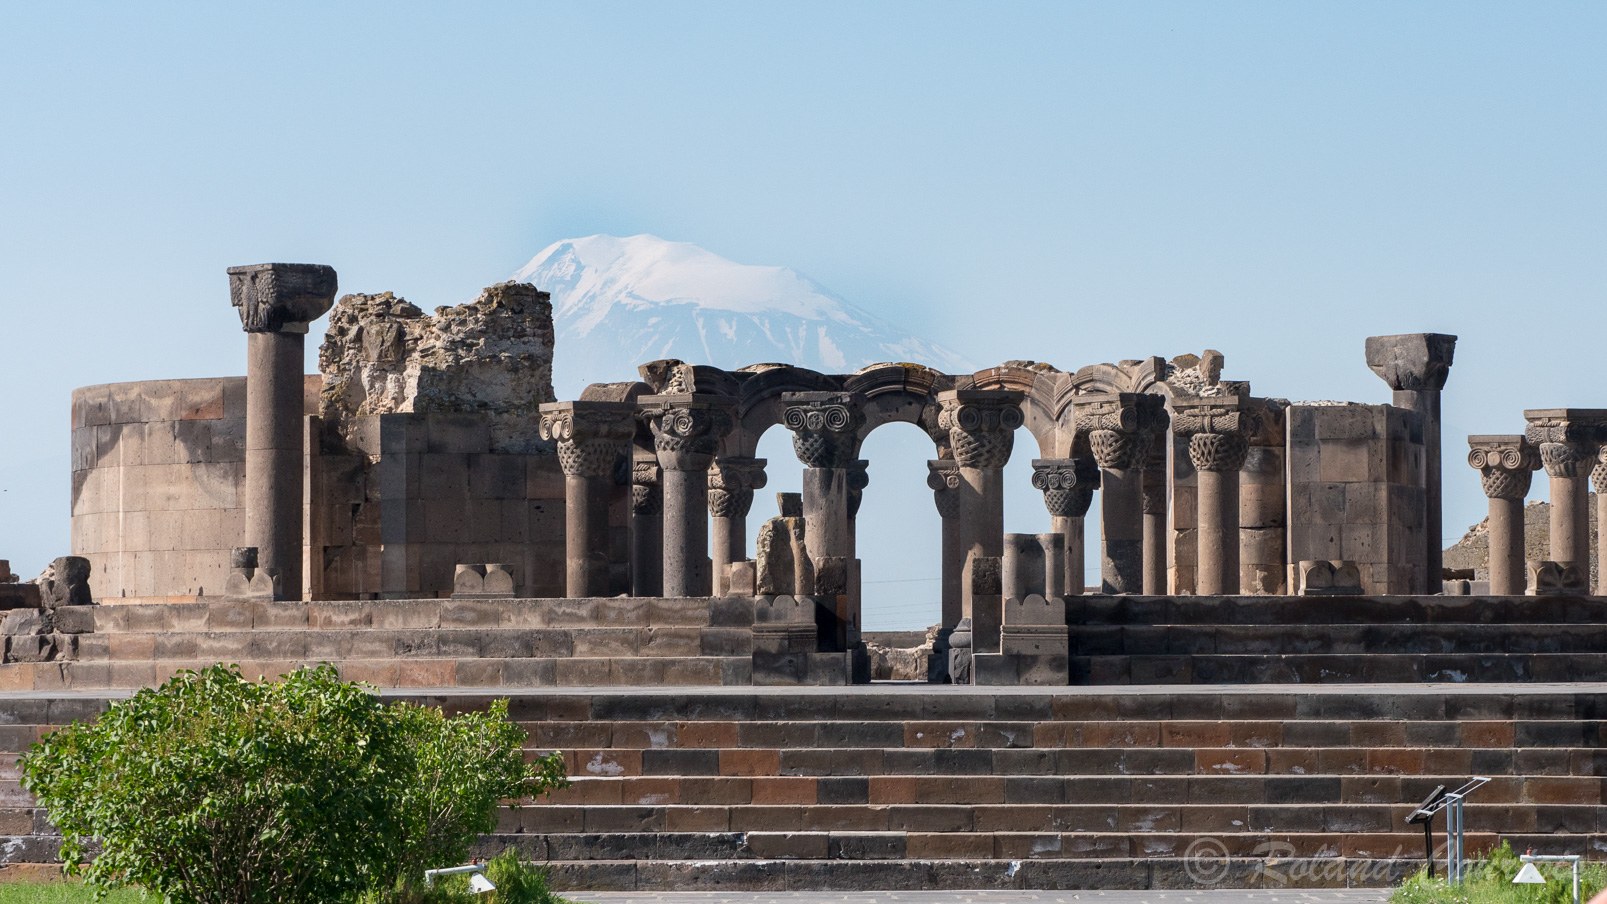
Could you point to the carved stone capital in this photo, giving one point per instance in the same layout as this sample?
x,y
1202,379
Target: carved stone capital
x,y
825,426
981,425
1414,361
687,428
591,436
281,298
1505,463
1219,431
943,476
1567,437
1598,474
1120,427
732,481
1068,484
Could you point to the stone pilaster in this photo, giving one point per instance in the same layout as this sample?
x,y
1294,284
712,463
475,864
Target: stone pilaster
x,y
1068,486
1598,480
1505,464
592,437
647,530
1416,366
1218,430
1568,439
1119,428
732,481
687,430
981,425
277,302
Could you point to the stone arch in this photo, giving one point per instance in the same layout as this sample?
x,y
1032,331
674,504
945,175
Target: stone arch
x,y
904,393
1037,383
759,405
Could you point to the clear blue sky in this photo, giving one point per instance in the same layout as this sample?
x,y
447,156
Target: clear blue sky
x,y
1065,182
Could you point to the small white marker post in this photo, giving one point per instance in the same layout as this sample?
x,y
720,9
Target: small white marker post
x,y
1531,876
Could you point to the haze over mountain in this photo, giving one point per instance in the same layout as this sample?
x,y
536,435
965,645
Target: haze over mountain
x,y
620,302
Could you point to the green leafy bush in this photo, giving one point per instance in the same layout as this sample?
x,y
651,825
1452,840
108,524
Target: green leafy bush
x,y
216,790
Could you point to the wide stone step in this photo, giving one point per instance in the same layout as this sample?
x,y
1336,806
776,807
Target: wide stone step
x,y
1350,668
849,845
320,644
1081,761
1336,639
421,614
1049,790
492,675
955,874
1333,611
785,812
916,735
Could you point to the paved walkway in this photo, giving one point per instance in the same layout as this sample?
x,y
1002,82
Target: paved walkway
x,y
1213,896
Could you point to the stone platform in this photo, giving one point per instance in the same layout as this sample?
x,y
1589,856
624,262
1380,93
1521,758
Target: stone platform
x,y
914,786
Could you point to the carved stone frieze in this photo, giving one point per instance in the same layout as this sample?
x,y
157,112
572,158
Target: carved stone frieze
x,y
1567,437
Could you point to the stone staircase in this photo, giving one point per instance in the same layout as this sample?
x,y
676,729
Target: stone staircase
x,y
512,643
1336,639
911,786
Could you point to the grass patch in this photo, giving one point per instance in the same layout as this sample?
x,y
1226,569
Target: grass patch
x,y
65,893
1489,881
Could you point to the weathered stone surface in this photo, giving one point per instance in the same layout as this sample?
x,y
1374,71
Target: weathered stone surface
x,y
1412,362
781,564
382,355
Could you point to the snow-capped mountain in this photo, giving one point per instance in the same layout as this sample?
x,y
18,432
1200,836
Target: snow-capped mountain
x,y
620,302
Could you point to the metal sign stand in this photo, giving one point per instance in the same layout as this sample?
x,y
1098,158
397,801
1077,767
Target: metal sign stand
x,y
1451,802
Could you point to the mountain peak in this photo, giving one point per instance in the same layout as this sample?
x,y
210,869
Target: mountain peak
x,y
621,301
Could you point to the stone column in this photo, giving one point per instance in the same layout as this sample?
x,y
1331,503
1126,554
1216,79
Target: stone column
x,y
732,481
1154,494
1119,428
591,436
647,530
1415,366
1068,486
277,302
1505,465
981,426
1218,430
1568,439
687,430
825,436
944,479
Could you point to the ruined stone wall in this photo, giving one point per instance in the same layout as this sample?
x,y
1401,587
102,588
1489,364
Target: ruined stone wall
x,y
157,473
428,452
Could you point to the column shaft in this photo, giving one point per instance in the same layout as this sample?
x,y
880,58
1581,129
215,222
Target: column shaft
x,y
586,536
1426,403
274,449
982,534
686,533
728,544
1154,553
1508,576
1218,513
1072,529
825,508
1570,521
1121,531
647,543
